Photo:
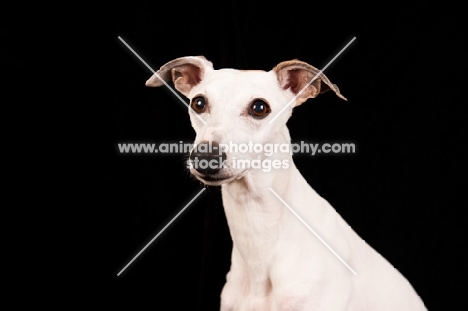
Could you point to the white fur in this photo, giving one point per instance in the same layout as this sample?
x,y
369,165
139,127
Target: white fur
x,y
277,264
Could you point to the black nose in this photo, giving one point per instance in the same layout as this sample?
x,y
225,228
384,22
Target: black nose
x,y
207,157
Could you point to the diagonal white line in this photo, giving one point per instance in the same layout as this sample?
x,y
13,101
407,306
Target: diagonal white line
x,y
164,82
313,231
162,230
313,79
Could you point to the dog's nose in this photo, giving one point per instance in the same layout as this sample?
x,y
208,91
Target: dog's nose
x,y
207,157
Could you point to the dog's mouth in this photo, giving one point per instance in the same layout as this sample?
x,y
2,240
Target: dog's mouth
x,y
214,180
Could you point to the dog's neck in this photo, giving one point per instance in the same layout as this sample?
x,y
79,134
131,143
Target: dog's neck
x,y
253,187
254,213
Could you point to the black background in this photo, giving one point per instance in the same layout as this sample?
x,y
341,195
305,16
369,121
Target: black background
x,y
403,190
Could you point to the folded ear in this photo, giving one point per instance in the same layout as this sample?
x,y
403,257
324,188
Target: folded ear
x,y
185,72
295,75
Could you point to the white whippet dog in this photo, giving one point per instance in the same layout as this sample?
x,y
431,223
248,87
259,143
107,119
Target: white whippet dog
x,y
277,263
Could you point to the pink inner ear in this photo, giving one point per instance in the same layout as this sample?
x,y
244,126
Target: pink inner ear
x,y
287,80
190,74
295,79
294,82
295,75
195,74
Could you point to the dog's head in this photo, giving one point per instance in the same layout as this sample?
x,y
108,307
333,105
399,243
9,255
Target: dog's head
x,y
235,113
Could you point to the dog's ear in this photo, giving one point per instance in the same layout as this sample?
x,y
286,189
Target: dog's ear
x,y
295,75
185,72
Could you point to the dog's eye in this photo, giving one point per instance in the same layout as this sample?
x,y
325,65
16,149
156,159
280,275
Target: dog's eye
x,y
259,109
198,104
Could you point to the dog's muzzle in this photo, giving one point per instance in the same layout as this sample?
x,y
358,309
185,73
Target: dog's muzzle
x,y
207,158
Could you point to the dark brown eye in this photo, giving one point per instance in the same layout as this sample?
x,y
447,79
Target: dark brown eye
x,y
198,104
259,109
